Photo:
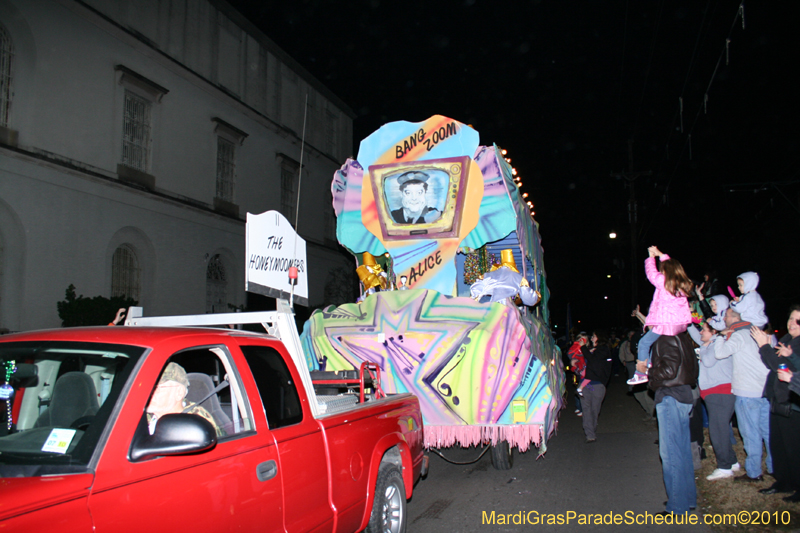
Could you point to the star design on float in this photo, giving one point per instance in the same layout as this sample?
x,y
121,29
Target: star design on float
x,y
408,346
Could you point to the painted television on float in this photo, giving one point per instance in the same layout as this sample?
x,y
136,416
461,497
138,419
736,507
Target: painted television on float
x,y
436,186
443,242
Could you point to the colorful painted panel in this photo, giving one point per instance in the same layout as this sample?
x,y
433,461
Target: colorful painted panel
x,y
472,366
497,216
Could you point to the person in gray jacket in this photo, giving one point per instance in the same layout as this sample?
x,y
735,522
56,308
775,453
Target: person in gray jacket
x,y
747,384
715,390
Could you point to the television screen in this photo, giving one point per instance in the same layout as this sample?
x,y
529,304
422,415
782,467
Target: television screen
x,y
420,199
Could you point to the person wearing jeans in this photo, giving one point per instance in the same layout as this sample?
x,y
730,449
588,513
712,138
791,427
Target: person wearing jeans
x,y
672,375
675,450
753,417
747,384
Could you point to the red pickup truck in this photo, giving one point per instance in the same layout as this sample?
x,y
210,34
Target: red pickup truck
x,y
88,444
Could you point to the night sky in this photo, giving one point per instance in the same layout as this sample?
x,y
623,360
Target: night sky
x,y
567,87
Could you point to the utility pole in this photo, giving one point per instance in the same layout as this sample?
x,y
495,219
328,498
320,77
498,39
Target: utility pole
x,y
630,177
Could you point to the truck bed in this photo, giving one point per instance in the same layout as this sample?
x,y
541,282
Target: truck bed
x,y
340,391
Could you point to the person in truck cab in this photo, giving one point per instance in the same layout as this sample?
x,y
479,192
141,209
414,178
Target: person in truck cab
x,y
170,397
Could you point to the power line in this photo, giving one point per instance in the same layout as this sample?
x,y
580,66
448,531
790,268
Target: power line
x,y
649,67
724,53
678,111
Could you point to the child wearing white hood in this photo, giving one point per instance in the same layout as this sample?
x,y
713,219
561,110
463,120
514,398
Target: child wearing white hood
x,y
750,304
714,309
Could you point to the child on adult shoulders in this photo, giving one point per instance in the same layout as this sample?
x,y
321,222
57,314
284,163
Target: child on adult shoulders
x,y
750,304
669,312
713,308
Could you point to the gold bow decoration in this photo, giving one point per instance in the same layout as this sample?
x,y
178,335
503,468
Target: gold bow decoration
x,y
370,273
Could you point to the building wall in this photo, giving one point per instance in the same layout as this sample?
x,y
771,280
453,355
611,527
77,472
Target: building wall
x,y
66,203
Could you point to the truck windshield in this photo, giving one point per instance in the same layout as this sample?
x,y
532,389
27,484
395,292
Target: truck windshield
x,y
56,402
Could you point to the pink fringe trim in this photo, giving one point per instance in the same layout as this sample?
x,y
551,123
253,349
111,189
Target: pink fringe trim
x,y
519,435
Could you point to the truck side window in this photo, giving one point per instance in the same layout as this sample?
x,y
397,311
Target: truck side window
x,y
204,378
275,385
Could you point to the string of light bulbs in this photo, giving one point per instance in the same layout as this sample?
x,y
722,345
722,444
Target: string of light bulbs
x,y
518,182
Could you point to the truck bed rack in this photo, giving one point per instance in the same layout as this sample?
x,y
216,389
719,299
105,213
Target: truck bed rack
x,y
368,376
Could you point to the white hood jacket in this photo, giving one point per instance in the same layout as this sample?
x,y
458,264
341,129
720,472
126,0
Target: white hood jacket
x,y
718,321
750,304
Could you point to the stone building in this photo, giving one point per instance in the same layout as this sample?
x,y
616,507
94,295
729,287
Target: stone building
x,y
134,138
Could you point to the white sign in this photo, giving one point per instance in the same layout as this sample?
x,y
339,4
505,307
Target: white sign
x,y
272,247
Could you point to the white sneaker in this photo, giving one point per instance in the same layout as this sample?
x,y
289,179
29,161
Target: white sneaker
x,y
736,467
719,473
638,378
577,411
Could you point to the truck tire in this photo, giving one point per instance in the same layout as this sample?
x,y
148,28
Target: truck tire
x,y
502,456
389,505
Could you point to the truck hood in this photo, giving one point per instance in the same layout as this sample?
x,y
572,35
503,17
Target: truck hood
x,y
27,494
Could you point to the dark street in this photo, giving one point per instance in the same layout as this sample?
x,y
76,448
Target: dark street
x,y
621,472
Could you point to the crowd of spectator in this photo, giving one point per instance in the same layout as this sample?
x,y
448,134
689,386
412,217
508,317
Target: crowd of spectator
x,y
702,359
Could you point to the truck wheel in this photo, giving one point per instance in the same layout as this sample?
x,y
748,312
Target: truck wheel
x,y
389,505
502,456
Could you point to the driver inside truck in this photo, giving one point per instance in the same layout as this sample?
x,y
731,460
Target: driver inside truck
x,y
169,397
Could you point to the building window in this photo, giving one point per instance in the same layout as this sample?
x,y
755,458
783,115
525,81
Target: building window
x,y
125,273
229,59
6,55
228,138
289,190
216,286
136,132
226,169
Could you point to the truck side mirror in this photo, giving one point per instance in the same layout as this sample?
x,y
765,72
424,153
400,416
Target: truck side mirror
x,y
175,434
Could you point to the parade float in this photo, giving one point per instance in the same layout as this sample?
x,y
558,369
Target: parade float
x,y
454,297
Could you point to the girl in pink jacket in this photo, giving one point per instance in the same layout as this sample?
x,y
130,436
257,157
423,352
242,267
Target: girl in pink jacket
x,y
669,312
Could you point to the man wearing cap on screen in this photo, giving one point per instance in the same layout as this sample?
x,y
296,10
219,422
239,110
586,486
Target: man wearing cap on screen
x,y
413,191
170,397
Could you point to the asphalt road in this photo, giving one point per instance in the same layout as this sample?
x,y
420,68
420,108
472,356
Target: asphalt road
x,y
619,473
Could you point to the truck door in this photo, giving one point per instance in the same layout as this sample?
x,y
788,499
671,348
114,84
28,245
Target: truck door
x,y
236,486
301,443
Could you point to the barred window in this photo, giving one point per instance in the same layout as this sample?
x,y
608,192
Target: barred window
x,y
288,190
226,169
6,56
125,273
216,286
136,132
